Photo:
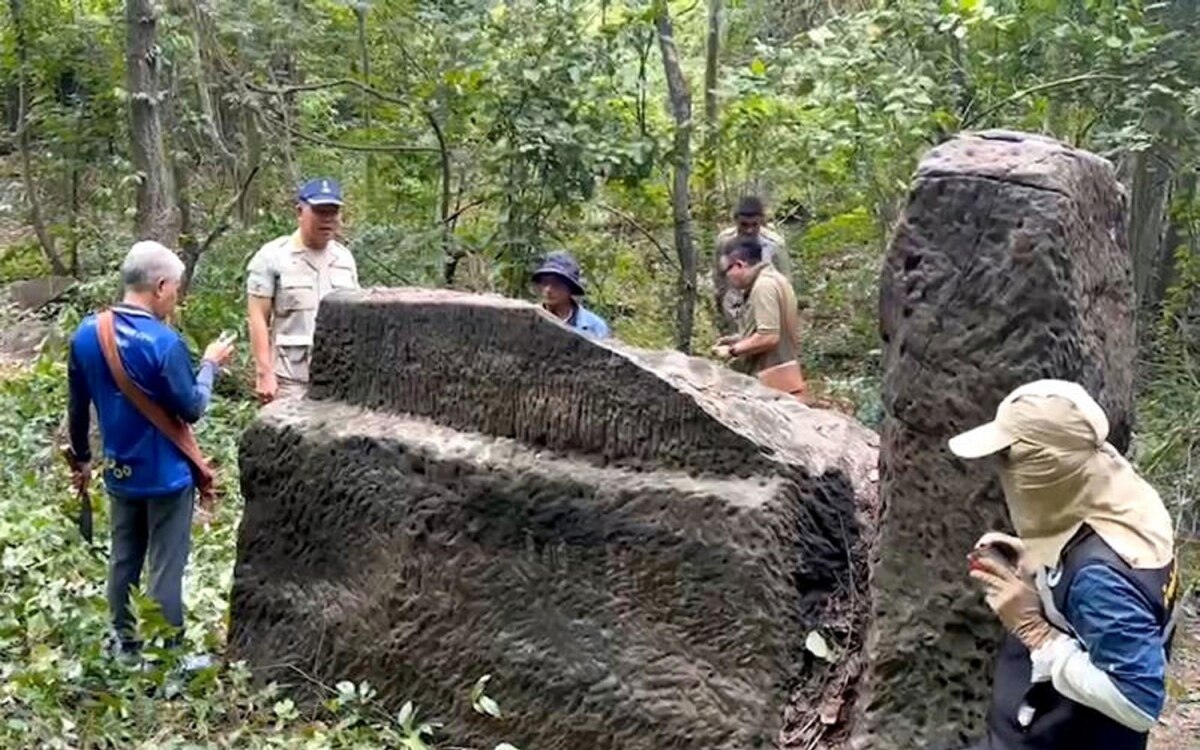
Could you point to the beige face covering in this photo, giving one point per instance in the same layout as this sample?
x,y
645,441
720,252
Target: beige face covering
x,y
1056,478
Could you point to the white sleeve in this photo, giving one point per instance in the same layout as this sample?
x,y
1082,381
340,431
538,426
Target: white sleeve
x,y
1064,662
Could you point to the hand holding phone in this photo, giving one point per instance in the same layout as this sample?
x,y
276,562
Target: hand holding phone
x,y
221,350
1000,549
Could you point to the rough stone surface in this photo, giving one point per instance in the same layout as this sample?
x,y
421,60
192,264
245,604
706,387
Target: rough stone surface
x,y
34,294
634,544
1009,265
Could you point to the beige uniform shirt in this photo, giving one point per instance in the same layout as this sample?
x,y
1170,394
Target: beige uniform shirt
x,y
297,279
730,300
767,311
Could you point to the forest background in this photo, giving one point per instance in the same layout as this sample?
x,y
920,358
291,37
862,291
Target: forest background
x,y
473,136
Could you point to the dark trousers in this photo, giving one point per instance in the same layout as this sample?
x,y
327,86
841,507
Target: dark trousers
x,y
153,529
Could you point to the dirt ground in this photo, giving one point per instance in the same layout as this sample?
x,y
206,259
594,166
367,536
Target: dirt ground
x,y
1180,725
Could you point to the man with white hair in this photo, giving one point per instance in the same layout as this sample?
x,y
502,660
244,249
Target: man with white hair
x,y
138,372
1086,590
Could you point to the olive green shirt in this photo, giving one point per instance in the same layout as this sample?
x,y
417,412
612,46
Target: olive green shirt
x,y
770,308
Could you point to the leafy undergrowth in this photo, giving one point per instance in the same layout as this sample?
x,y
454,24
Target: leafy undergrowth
x,y
1180,725
59,689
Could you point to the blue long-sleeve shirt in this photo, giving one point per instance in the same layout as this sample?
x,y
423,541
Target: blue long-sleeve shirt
x,y
139,460
1121,633
588,323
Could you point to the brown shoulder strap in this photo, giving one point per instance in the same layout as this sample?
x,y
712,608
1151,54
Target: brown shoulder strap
x,y
176,430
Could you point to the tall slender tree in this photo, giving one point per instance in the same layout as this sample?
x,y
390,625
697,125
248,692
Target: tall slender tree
x,y
157,215
681,158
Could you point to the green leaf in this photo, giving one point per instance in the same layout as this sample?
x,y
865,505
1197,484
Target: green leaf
x,y
820,35
758,67
488,706
817,646
479,687
405,717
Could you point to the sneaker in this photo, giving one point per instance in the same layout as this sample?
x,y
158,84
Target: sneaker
x,y
125,653
195,663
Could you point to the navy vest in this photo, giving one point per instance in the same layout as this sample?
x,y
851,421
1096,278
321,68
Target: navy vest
x,y
1024,716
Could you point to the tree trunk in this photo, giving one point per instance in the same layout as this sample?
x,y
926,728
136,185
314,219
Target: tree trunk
x,y
208,111
1147,176
254,156
685,247
712,62
157,215
189,243
1179,231
360,12
31,189
450,255
73,215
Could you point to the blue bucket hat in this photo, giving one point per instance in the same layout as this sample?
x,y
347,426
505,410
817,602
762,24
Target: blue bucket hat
x,y
562,265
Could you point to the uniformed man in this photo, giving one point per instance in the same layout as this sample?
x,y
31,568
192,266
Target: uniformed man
x,y
768,344
1085,590
749,221
286,281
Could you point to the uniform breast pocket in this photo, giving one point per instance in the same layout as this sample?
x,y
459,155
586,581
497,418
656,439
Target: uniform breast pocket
x,y
342,277
297,293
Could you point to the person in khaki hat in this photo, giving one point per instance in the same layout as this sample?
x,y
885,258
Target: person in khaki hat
x,y
1085,590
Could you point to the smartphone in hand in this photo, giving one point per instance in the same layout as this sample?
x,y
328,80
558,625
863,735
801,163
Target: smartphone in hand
x,y
999,552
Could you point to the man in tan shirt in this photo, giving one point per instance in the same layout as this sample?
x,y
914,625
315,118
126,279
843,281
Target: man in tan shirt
x,y
749,221
286,281
769,331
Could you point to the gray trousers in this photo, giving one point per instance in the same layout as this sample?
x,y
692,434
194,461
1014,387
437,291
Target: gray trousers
x,y
154,529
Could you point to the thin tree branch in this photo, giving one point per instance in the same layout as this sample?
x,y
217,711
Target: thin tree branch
x,y
31,188
192,252
325,85
384,148
286,119
666,253
463,209
223,221
1037,89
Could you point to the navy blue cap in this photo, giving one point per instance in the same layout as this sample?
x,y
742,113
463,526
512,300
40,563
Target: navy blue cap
x,y
562,265
322,191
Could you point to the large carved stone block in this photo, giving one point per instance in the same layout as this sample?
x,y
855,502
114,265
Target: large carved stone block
x,y
634,544
1008,265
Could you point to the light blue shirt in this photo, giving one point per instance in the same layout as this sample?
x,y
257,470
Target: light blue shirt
x,y
588,323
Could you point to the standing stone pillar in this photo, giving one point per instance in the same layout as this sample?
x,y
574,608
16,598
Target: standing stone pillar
x,y
1010,264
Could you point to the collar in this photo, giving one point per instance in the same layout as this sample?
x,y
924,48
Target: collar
x,y
758,270
570,319
298,246
136,310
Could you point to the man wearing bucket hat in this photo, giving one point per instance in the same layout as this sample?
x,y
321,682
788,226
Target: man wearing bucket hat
x,y
1085,590
558,282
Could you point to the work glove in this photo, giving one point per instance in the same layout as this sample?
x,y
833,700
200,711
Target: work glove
x,y
1015,601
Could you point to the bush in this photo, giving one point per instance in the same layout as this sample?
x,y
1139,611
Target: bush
x,y
58,688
